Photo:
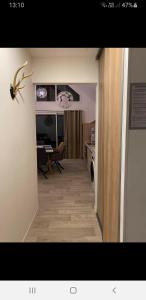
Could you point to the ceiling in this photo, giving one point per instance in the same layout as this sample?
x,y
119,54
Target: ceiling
x,y
48,52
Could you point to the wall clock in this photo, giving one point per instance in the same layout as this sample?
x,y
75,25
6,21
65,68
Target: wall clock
x,y
41,93
65,99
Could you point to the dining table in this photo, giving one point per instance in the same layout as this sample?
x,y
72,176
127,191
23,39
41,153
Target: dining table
x,y
48,149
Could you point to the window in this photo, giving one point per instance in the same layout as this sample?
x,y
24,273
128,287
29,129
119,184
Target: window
x,y
45,92
63,88
50,92
49,129
67,88
60,128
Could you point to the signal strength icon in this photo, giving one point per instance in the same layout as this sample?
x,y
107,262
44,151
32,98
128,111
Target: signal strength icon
x,y
117,5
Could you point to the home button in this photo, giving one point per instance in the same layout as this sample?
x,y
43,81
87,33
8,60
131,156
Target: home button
x,y
73,290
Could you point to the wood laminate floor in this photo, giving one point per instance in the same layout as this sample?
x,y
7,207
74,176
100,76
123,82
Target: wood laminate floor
x,y
66,202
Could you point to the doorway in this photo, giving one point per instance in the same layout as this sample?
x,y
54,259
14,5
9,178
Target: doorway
x,y
67,200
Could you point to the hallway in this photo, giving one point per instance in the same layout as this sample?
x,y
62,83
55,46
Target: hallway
x,y
66,207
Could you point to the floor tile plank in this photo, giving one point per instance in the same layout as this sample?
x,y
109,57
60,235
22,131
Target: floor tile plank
x,y
66,207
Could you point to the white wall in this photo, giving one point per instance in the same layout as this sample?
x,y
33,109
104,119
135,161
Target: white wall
x,y
135,189
65,70
18,175
96,148
86,104
124,137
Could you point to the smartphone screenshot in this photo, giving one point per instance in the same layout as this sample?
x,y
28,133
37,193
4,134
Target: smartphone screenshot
x,y
72,150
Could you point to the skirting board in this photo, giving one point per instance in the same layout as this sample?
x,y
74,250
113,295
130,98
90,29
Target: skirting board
x,y
23,240
99,222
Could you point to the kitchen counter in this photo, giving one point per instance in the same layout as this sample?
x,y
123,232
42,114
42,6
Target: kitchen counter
x,y
90,161
91,148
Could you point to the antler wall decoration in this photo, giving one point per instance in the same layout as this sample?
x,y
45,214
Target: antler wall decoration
x,y
15,87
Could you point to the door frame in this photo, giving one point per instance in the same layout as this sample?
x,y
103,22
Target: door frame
x,y
96,122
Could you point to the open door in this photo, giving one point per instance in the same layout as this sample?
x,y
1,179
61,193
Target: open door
x,y
109,151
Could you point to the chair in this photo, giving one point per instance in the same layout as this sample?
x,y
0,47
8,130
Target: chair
x,y
42,161
57,156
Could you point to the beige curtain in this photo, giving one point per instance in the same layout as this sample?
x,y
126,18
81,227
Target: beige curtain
x,y
73,133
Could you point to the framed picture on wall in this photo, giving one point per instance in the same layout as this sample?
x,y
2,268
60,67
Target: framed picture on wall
x,y
45,92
